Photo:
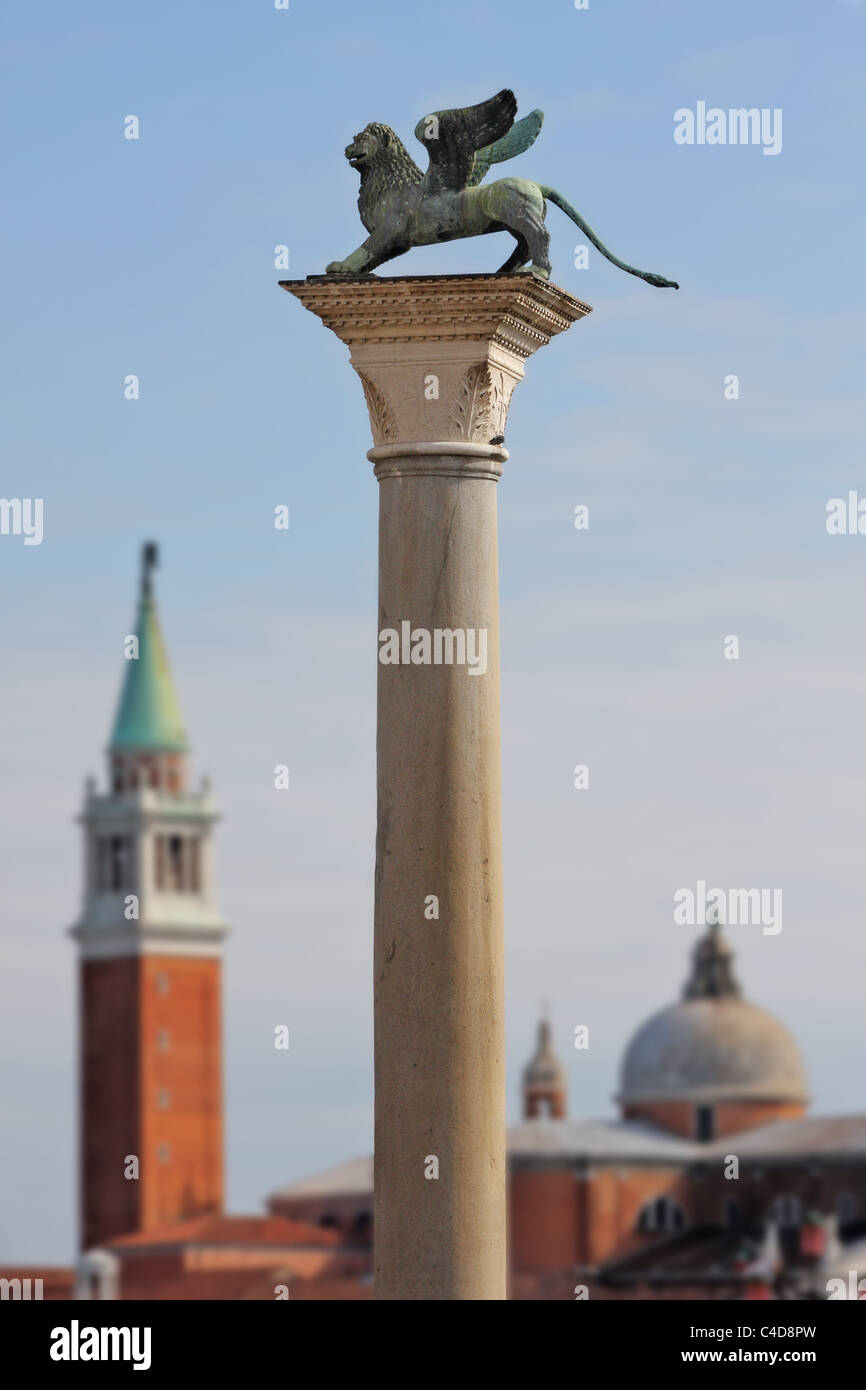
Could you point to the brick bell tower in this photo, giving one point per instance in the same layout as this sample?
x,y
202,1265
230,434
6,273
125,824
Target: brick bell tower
x,y
150,942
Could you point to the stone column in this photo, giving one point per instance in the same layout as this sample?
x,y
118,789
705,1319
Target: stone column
x,y
438,358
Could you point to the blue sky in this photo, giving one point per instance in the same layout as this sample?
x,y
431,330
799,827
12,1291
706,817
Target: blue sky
x,y
155,257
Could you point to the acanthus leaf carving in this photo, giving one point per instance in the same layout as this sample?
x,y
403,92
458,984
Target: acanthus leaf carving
x,y
481,405
382,420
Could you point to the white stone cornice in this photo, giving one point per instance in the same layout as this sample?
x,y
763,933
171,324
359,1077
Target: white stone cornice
x,y
521,311
133,939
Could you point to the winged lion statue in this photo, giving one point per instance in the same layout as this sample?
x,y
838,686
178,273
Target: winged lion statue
x,y
401,207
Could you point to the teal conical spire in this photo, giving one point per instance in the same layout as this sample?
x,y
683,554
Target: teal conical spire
x,y
148,716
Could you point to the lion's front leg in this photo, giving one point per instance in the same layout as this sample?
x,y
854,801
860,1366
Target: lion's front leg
x,y
376,249
355,264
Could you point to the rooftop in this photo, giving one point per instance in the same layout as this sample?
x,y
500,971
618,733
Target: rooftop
x,y
354,1177
818,1136
829,1137
225,1231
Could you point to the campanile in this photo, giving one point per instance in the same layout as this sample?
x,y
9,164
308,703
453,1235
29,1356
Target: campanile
x,y
150,943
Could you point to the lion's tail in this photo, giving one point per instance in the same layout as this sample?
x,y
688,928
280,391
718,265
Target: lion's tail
x,y
575,216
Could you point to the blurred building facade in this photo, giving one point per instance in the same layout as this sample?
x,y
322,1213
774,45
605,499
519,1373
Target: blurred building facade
x,y
712,1181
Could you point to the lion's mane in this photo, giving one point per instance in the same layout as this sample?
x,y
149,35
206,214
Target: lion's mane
x,y
393,167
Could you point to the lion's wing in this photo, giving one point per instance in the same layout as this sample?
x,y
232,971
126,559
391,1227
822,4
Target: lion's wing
x,y
519,138
453,138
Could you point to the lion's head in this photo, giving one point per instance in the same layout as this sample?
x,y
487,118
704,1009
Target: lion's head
x,y
369,145
378,148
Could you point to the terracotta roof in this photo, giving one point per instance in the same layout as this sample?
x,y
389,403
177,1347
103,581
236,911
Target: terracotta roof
x,y
230,1286
231,1230
227,1285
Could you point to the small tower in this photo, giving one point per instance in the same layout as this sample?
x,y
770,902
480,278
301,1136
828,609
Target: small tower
x,y
545,1087
150,944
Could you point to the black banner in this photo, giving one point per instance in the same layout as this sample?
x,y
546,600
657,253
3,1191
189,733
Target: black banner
x,y
651,1338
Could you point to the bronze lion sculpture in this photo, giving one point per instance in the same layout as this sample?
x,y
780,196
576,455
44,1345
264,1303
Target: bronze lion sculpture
x,y
402,208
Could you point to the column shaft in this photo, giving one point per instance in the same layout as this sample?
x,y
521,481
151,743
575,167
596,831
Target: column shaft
x,y
439,993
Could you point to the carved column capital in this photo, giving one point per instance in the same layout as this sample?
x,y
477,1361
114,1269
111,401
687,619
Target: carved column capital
x,y
439,356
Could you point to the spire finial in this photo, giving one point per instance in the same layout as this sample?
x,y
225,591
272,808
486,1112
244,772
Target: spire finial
x,y
545,1031
149,562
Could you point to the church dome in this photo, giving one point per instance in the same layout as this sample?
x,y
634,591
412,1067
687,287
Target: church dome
x,y
713,1046
709,1050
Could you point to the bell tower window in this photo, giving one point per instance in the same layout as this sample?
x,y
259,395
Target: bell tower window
x,y
176,864
114,864
117,863
705,1123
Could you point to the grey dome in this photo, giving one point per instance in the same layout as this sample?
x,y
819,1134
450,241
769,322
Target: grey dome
x,y
713,1045
708,1050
